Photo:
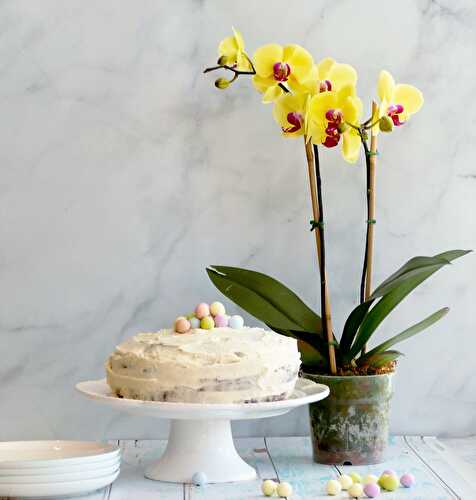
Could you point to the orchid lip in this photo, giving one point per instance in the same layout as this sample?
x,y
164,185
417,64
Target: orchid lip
x,y
295,119
325,85
334,116
281,71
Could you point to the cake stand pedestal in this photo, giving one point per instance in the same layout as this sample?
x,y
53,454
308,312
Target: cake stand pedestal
x,y
200,437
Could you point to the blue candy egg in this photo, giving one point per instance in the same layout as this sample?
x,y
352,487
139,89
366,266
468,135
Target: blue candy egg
x,y
194,322
199,479
236,322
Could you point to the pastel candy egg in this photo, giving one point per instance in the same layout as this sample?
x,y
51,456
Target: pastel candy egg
x,y
370,478
284,490
221,321
236,322
194,322
182,325
345,481
333,487
202,310
372,490
199,478
217,308
389,482
389,472
356,490
407,480
207,323
268,487
356,477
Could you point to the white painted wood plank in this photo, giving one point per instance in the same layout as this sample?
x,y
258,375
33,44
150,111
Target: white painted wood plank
x,y
253,450
401,459
132,484
465,448
292,458
456,474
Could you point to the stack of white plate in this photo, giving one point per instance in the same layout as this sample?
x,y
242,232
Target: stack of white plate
x,y
54,468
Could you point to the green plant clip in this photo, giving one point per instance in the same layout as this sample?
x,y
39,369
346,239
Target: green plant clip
x,y
372,153
371,221
314,224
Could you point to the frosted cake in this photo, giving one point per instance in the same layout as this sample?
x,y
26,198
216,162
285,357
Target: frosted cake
x,y
212,365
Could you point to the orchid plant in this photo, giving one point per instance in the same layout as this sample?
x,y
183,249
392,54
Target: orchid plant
x,y
319,102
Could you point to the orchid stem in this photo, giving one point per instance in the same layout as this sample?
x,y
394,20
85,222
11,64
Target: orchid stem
x,y
315,184
229,68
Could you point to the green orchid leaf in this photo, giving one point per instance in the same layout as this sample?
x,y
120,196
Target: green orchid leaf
x,y
392,298
406,334
415,267
352,325
265,298
379,359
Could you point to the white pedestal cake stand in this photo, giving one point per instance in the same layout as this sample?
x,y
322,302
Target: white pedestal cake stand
x,y
200,437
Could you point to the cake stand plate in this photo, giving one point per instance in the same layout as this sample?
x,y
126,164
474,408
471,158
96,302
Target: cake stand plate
x,y
200,437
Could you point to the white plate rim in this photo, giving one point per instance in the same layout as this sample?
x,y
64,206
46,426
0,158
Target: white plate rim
x,y
60,478
39,490
99,457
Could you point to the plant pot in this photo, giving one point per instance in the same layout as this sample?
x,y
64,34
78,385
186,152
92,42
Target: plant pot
x,y
351,425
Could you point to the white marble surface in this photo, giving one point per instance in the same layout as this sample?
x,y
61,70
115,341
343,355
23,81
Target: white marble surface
x,y
124,173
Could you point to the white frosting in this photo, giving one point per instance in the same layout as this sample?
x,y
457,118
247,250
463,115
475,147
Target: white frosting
x,y
222,365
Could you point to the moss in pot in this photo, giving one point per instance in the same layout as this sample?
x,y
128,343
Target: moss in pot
x,y
319,103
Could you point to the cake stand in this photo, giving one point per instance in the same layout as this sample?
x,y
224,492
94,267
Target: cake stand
x,y
200,437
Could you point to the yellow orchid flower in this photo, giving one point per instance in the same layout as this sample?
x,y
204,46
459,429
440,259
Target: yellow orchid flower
x,y
333,115
329,75
231,51
398,101
276,65
290,112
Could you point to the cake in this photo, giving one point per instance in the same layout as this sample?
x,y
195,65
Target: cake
x,y
215,365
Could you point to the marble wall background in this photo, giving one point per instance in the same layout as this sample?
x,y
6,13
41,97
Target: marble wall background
x,y
124,172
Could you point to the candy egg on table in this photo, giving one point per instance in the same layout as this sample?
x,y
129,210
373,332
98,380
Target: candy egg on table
x,y
356,490
221,320
407,480
236,322
194,322
389,472
202,310
372,490
333,487
207,323
388,482
217,308
199,479
370,478
269,487
356,477
182,325
345,481
284,489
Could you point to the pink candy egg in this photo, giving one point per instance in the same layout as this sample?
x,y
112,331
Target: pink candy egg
x,y
389,472
202,310
407,480
372,490
182,325
221,321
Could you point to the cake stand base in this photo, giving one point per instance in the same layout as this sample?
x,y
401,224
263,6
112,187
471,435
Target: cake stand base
x,y
200,446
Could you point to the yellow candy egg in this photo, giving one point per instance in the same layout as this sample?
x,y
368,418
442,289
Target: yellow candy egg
x,y
356,477
268,487
356,490
345,481
284,490
333,487
207,323
370,478
217,308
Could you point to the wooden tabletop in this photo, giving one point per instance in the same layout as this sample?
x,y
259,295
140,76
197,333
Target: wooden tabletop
x,y
444,470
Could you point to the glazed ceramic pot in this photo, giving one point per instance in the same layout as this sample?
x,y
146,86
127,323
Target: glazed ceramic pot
x,y
351,425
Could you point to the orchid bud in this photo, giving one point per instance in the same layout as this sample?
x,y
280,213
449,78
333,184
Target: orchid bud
x,y
222,83
222,60
385,124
